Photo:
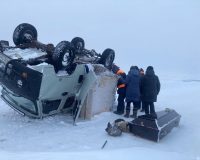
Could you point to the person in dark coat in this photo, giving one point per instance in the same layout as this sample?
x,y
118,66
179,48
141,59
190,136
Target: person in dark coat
x,y
132,91
121,89
149,89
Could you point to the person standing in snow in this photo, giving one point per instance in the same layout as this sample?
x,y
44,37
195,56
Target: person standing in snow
x,y
149,88
121,89
132,91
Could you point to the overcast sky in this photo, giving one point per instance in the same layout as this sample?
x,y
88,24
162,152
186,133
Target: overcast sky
x,y
165,34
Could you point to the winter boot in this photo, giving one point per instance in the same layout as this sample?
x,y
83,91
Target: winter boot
x,y
142,110
117,112
134,114
127,114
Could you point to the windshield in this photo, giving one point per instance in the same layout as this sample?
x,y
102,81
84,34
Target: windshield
x,y
20,103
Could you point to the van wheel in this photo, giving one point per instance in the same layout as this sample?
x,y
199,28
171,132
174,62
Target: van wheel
x,y
24,33
107,58
63,55
78,44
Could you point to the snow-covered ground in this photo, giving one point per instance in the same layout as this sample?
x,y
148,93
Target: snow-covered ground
x,y
56,136
164,34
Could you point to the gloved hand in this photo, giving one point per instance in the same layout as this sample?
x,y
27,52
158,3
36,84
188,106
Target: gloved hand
x,y
115,68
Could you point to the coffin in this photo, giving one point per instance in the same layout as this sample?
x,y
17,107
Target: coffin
x,y
150,128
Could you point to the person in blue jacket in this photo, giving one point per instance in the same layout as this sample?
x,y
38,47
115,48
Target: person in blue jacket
x,y
132,91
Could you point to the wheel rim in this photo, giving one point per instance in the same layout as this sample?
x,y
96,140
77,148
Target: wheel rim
x,y
109,60
79,46
65,59
28,36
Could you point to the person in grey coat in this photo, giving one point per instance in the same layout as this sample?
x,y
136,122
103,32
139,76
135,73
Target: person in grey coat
x,y
149,89
132,91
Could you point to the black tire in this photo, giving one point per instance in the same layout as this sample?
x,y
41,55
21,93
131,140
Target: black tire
x,y
78,43
107,58
24,33
63,55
